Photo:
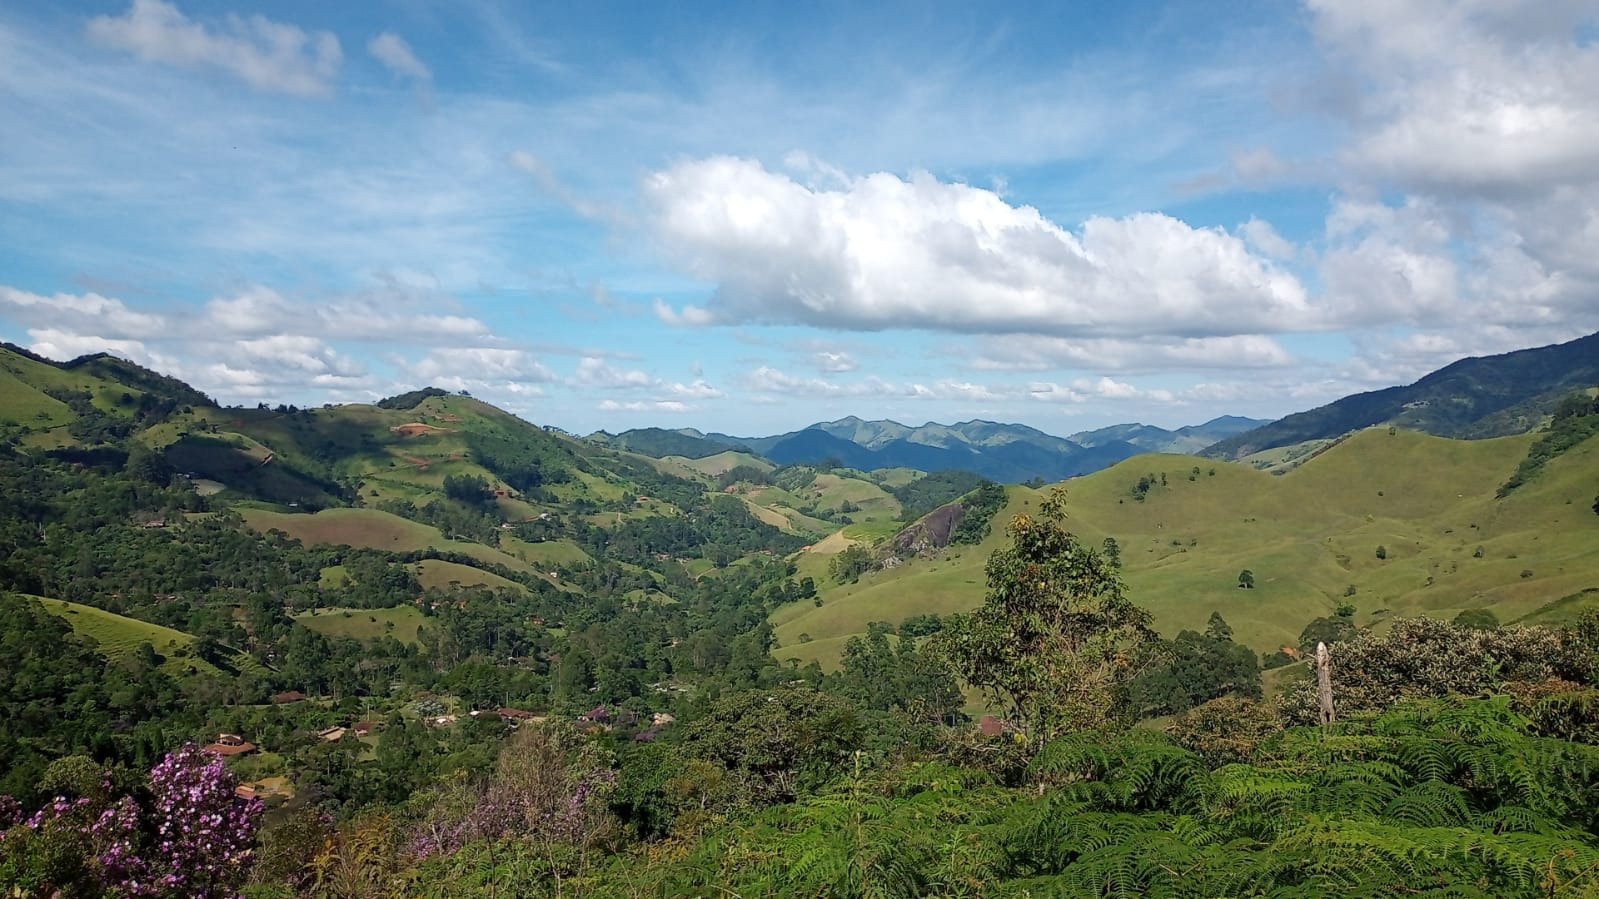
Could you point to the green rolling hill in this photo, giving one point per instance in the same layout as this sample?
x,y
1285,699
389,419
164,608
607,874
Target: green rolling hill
x,y
1308,536
378,476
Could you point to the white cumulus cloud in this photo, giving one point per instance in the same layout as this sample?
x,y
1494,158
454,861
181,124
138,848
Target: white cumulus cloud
x,y
889,252
1485,94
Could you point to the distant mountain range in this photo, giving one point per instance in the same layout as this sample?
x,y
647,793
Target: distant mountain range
x,y
1486,396
1009,453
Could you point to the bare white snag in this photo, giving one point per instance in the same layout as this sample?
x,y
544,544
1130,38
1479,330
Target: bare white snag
x,y
1324,697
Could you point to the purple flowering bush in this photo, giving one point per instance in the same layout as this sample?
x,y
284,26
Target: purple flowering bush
x,y
185,835
10,812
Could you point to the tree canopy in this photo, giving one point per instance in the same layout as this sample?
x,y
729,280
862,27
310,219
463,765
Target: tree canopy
x,y
1056,640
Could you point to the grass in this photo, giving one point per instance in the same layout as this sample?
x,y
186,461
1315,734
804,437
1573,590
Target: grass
x,y
362,528
119,636
768,515
898,477
830,491
437,573
22,397
372,529
952,583
545,553
825,652
403,623
22,403
721,463
1307,535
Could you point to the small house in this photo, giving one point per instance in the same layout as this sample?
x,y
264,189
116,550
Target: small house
x,y
229,745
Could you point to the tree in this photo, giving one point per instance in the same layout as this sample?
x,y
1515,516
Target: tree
x,y
1196,668
1382,552
467,488
1246,579
1328,629
904,677
849,565
1056,640
777,743
1217,628
1478,619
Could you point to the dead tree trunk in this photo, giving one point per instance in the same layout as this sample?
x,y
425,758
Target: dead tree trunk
x,y
1324,697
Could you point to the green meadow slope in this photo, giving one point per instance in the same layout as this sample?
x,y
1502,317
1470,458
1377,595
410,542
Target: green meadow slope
x,y
1308,536
119,637
373,529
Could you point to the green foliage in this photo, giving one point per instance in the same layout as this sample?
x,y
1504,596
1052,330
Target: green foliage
x,y
1112,551
938,488
468,488
847,566
410,400
527,459
1425,657
1477,619
1246,579
1576,419
1328,629
743,474
46,670
1056,641
1196,668
977,512
1448,798
902,677
920,625
778,744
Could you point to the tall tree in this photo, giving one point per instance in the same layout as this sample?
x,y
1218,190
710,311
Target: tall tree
x,y
1056,640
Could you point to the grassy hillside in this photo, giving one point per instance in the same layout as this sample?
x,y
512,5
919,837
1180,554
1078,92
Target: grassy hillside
x,y
1307,535
403,623
723,462
951,583
371,529
437,573
120,637
26,382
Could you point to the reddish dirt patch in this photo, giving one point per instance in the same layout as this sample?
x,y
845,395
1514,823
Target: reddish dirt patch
x,y
416,429
418,461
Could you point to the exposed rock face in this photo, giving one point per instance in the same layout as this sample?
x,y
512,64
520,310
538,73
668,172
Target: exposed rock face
x,y
929,535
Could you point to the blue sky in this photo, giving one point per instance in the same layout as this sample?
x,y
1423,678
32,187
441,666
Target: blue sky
x,y
749,217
